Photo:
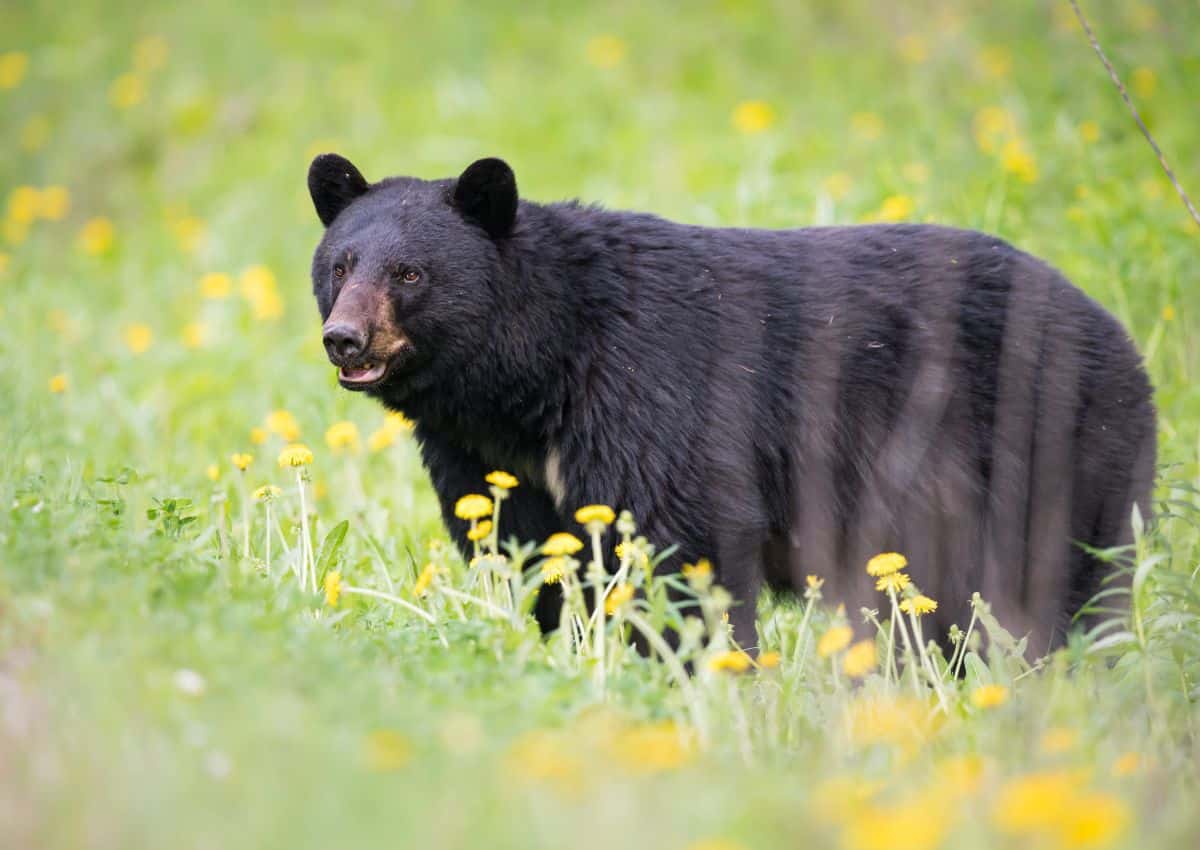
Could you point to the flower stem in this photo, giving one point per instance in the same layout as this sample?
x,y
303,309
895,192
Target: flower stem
x,y
268,539
245,517
691,699
408,606
597,575
910,660
310,567
474,600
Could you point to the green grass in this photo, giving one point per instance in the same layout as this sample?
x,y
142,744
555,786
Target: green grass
x,y
501,740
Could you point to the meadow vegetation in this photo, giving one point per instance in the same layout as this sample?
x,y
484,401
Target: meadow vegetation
x,y
229,613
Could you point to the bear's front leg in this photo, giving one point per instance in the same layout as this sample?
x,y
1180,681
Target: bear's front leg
x,y
528,513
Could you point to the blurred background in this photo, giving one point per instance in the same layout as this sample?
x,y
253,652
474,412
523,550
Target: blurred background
x,y
156,317
176,140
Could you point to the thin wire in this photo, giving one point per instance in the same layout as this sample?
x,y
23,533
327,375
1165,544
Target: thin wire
x,y
1187,202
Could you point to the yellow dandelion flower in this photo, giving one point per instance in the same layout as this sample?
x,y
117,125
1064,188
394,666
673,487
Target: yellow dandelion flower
x,y
1089,131
860,659
595,514
13,66
97,236
562,543
654,747
333,588
424,580
138,337
261,291
919,605
837,185
24,203
866,125
58,384
989,696
398,422
913,49
501,479
1143,82
1035,802
188,232
127,91
731,661
886,564
753,116
1168,313
258,436
814,582
835,639
283,423
903,722
480,531
1017,161
991,126
605,51
962,775
295,455
380,439
553,569
702,569
473,506
213,472
385,751
216,285
53,203
266,493
898,826
995,61
1128,764
1093,820
895,208
150,54
342,436
547,757
894,582
241,460
617,597
769,660
1057,740
195,335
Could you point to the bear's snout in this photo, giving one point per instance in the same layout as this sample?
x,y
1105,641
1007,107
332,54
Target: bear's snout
x,y
344,343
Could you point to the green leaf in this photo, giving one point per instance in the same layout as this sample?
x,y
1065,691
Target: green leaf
x,y
331,545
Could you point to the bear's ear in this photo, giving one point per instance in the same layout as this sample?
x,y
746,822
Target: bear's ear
x,y
486,193
333,182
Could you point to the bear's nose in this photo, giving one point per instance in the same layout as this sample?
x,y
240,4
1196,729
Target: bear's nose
x,y
344,342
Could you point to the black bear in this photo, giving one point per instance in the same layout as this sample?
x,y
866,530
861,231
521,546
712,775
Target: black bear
x,y
783,402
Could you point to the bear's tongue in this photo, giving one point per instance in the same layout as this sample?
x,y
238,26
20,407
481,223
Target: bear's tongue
x,y
362,375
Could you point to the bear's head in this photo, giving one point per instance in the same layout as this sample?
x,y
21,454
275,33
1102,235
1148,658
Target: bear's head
x,y
407,274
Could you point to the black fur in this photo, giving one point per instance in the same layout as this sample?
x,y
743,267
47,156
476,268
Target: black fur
x,y
783,402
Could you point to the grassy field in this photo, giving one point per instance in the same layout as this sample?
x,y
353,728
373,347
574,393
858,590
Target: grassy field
x,y
159,688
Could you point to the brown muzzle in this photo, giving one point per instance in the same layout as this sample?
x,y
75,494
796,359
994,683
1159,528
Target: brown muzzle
x,y
361,327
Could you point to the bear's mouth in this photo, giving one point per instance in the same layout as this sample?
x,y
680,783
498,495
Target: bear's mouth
x,y
372,373
360,377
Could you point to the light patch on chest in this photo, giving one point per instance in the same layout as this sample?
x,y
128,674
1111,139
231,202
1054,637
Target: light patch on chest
x,y
554,481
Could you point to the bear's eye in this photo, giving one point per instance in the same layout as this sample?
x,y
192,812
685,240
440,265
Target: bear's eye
x,y
410,276
339,270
